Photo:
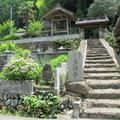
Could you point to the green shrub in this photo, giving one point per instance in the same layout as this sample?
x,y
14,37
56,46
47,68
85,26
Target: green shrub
x,y
13,48
57,61
11,37
44,106
5,28
21,69
8,47
67,44
110,38
34,28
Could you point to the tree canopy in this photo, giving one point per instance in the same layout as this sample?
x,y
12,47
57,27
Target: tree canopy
x,y
103,7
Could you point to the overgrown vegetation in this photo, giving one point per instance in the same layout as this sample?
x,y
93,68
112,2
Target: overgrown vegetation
x,y
11,37
21,69
66,44
110,38
13,48
45,105
34,28
5,28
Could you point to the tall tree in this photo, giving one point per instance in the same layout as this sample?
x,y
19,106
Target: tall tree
x,y
5,9
103,7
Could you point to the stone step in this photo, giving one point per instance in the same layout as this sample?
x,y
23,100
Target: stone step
x,y
99,65
94,79
99,61
104,94
107,69
99,58
97,55
101,113
90,47
97,52
102,77
104,84
105,103
103,74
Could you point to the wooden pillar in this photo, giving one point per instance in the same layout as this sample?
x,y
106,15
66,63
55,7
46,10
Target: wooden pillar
x,y
67,24
70,28
52,27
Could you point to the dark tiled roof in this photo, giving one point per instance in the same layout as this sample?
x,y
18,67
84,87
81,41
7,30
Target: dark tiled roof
x,y
92,21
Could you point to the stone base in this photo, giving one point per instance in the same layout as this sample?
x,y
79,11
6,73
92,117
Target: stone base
x,y
77,87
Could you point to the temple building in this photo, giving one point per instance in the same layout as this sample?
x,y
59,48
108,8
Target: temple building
x,y
89,24
60,20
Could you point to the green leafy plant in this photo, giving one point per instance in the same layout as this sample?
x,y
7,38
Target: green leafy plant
x,y
67,44
13,48
8,47
21,69
57,61
43,106
5,28
11,37
110,38
34,28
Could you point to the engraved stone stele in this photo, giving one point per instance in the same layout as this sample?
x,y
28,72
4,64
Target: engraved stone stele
x,y
16,87
75,67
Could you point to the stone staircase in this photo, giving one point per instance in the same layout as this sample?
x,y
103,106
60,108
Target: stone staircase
x,y
101,73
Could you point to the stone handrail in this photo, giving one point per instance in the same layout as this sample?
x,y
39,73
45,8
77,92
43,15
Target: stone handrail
x,y
83,50
111,52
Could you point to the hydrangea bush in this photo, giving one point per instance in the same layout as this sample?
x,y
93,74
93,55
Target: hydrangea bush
x,y
21,69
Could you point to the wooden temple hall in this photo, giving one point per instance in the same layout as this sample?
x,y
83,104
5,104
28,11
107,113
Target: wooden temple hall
x,y
62,21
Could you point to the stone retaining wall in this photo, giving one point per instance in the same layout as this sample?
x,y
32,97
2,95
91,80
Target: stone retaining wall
x,y
12,93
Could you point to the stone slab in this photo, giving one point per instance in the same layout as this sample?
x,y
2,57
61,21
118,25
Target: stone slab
x,y
75,67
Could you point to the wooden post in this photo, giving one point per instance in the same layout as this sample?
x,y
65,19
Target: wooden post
x,y
67,23
52,27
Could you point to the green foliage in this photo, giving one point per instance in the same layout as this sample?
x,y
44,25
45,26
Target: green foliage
x,y
67,44
5,28
5,9
103,7
57,61
110,38
8,47
25,12
13,48
21,66
11,37
44,106
34,28
21,69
